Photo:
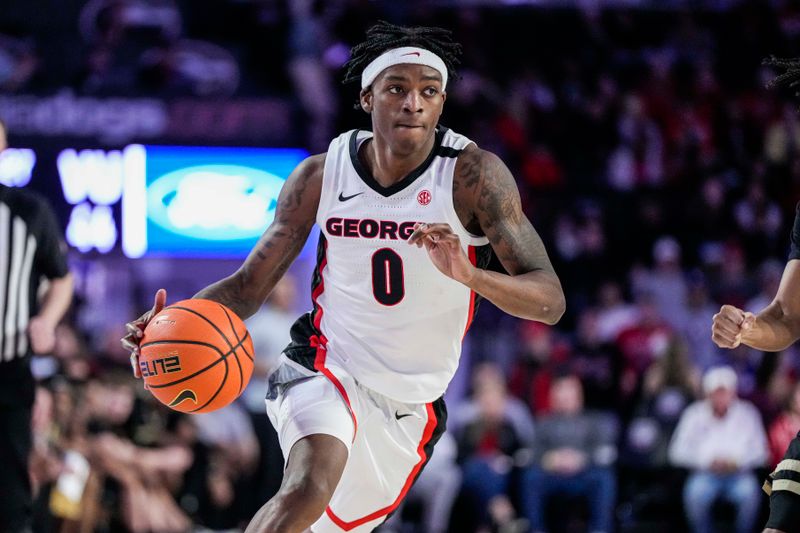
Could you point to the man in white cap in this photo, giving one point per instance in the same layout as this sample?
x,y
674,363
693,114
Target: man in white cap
x,y
407,212
720,439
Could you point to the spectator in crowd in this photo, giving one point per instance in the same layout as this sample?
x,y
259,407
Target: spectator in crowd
x,y
759,220
130,456
614,314
691,321
573,455
638,159
234,454
641,344
542,355
665,281
595,362
669,385
769,277
709,210
784,428
731,283
671,382
720,440
269,339
495,430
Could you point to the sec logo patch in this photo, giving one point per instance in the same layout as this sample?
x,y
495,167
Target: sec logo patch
x,y
424,197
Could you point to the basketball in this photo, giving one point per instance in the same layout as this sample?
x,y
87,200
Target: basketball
x,y
196,356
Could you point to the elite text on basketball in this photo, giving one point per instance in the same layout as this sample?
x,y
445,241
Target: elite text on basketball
x,y
165,365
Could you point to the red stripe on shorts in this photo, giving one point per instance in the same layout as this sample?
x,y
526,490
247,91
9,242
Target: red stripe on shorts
x,y
319,364
423,457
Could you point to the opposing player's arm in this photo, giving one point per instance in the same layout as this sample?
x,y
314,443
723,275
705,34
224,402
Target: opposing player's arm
x,y
531,289
246,289
778,325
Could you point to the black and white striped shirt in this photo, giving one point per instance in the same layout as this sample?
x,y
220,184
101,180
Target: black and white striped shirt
x,y
31,247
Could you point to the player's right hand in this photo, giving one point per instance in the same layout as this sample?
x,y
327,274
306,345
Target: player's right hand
x,y
135,330
729,325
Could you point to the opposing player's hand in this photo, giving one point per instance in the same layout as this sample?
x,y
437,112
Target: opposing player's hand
x,y
729,325
444,249
42,334
135,330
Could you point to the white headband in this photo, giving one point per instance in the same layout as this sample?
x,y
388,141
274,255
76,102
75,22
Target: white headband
x,y
399,56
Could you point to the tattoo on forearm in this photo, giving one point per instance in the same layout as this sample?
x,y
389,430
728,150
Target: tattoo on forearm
x,y
285,237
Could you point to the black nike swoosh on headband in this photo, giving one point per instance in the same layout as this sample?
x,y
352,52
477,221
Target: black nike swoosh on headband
x,y
185,394
343,198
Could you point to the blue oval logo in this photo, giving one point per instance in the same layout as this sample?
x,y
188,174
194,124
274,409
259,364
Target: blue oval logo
x,y
214,202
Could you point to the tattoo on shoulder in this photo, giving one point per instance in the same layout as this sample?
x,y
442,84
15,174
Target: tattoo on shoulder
x,y
498,210
469,163
466,178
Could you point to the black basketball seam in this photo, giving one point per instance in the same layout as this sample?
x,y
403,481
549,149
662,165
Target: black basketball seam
x,y
235,355
223,357
192,311
244,348
221,385
246,333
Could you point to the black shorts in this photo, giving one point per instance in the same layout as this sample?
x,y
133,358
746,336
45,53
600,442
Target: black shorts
x,y
783,487
15,447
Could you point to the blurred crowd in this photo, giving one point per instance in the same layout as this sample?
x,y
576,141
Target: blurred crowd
x,y
662,176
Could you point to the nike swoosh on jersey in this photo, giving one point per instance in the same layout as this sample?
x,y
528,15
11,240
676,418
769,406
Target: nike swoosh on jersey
x,y
398,416
343,198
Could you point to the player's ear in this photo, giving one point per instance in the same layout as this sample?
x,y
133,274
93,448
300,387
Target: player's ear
x,y
366,99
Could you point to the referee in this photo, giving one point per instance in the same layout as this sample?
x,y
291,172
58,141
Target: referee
x,y
31,250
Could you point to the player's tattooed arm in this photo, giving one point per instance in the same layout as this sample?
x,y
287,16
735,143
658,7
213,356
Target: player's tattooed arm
x,y
246,289
490,204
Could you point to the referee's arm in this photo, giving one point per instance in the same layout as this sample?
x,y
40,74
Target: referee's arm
x,y
55,303
51,261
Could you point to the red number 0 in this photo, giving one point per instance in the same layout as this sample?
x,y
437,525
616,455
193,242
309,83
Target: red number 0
x,y
388,286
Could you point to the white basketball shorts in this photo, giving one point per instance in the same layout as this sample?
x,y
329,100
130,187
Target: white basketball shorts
x,y
389,442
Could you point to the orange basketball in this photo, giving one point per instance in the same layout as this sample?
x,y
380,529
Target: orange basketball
x,y
196,356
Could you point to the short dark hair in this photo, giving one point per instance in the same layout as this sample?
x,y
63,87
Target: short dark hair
x,y
384,36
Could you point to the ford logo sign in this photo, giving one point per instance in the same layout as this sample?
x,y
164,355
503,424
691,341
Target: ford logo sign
x,y
214,202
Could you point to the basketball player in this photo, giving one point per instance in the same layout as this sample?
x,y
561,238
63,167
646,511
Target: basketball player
x,y
773,329
406,212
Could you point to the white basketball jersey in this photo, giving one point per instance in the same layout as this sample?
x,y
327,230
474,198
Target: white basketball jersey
x,y
390,317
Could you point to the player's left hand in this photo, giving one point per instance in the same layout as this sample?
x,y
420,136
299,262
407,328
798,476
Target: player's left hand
x,y
444,249
42,334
